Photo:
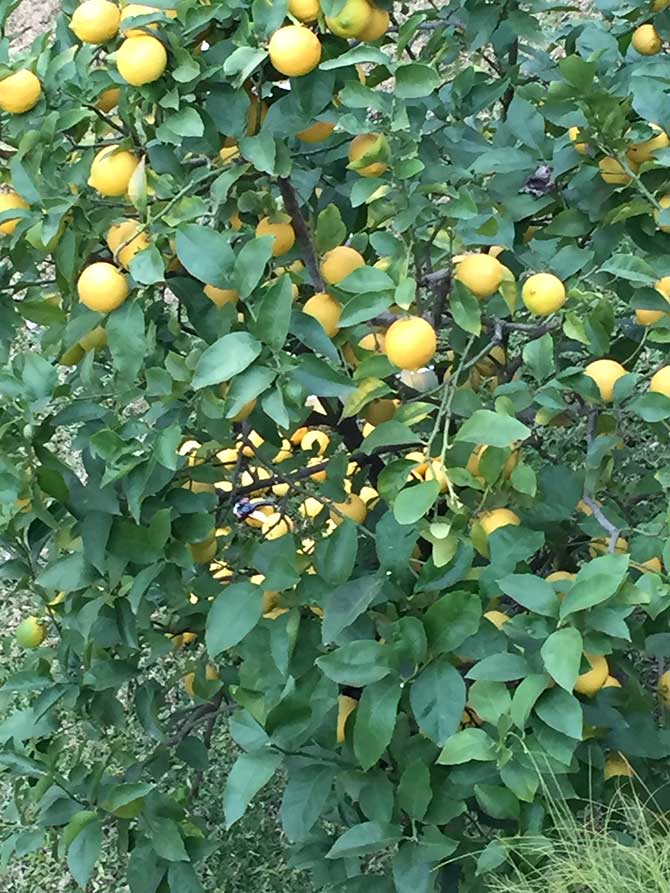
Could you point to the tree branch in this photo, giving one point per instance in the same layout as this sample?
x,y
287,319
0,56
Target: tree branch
x,y
302,231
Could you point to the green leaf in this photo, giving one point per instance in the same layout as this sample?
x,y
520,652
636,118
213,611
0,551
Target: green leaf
x,y
525,696
578,71
274,312
631,268
562,656
206,254
364,306
148,267
330,229
490,700
491,857
356,56
367,279
364,839
39,376
321,379
84,852
250,772
465,308
466,745
357,663
451,620
651,407
561,711
261,151
250,264
375,720
67,574
437,697
492,428
346,603
183,879
232,616
497,801
414,791
415,502
305,797
335,556
389,433
531,592
500,668
226,358
127,345
415,80
597,581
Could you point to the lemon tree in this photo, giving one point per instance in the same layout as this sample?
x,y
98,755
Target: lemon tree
x,y
334,413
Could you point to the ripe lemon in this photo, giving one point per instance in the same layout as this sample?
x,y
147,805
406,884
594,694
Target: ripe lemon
x,y
20,92
477,454
204,552
650,317
304,10
340,262
353,507
138,9
351,20
310,508
284,235
616,764
638,153
497,618
125,240
664,688
294,50
660,382
94,340
372,146
605,373
381,410
141,60
108,99
646,40
411,343
488,523
111,171
573,134
9,201
31,632
559,577
377,26
436,472
543,294
599,545
102,287
95,21
276,525
481,273
317,132
664,202
593,680
221,296
313,439
613,172
326,310
345,707
612,682
491,363
211,674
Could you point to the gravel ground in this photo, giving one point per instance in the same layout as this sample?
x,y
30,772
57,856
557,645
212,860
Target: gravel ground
x,y
31,19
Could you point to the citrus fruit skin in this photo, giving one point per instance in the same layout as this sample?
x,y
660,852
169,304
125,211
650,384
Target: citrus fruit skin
x,y
275,526
593,680
664,688
481,273
31,632
664,202
304,10
138,9
221,296
638,153
108,99
353,507
102,287
284,235
605,373
203,553
111,171
650,317
646,40
660,382
130,232
20,92
377,26
345,707
491,521
380,410
294,50
352,20
317,132
613,172
211,674
411,343
339,263
497,618
326,310
369,143
543,294
582,148
141,60
313,439
612,682
9,201
96,21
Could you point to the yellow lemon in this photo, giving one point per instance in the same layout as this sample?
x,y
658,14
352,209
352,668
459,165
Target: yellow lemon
x,y
313,439
96,21
8,202
593,680
211,674
481,273
94,340
101,287
111,171
108,99
664,202
612,682
276,525
380,410
304,10
497,618
605,373
377,26
660,382
353,507
573,134
543,294
138,9
141,60
125,240
617,765
310,507
493,520
664,688
317,132
31,632
294,50
221,296
325,310
600,546
650,317
559,577
340,262
411,343
283,233
638,153
646,40
372,146
345,707
352,20
613,172
204,552
20,92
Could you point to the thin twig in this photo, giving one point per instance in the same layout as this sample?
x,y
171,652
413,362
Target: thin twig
x,y
302,231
